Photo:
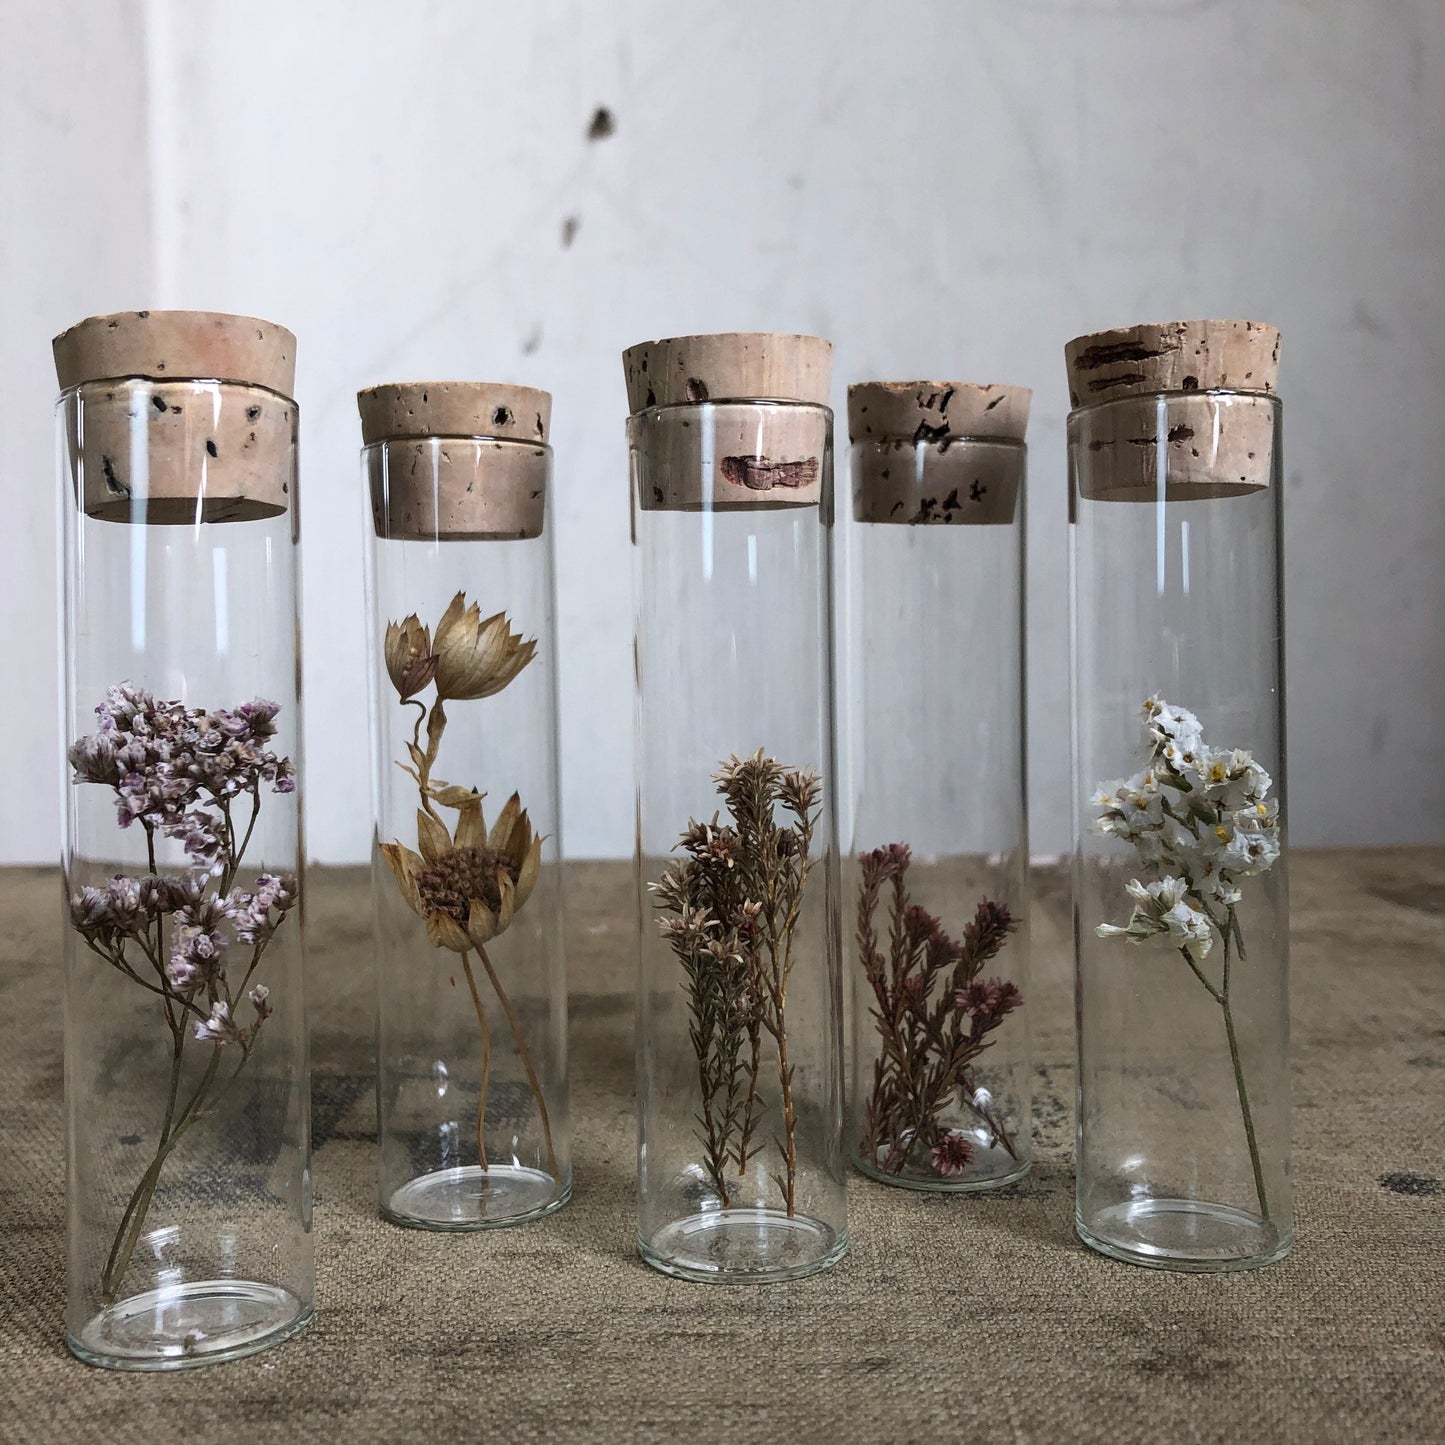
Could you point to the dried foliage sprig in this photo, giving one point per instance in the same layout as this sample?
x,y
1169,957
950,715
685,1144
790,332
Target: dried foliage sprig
x,y
933,1014
196,776
734,901
467,882
1200,820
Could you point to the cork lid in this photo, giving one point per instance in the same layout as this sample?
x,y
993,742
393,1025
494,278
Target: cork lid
x,y
454,409
177,346
728,366
936,410
1172,356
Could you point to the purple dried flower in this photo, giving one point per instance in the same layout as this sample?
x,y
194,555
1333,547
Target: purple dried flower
x,y
219,1028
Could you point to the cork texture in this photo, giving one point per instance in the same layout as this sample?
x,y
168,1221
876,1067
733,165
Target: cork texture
x,y
171,453
728,366
177,345
731,457
937,483
1172,356
454,409
458,489
936,410
1174,448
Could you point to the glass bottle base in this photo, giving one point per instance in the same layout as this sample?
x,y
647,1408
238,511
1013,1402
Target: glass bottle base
x,y
468,1198
201,1323
990,1169
1184,1234
743,1246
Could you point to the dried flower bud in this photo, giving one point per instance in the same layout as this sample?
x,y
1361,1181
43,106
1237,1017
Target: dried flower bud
x,y
410,663
476,658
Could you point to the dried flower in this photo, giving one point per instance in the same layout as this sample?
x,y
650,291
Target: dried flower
x,y
476,658
410,662
1201,819
467,886
952,1154
933,1014
183,773
735,898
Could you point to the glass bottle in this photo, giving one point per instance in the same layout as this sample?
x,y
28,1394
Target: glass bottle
x,y
740,1159
187,1102
936,872
1180,899
466,886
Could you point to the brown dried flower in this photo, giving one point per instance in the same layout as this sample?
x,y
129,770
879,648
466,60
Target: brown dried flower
x,y
466,887
410,662
476,657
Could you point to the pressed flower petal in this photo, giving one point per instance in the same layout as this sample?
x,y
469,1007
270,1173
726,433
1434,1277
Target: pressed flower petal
x,y
445,932
481,924
435,841
508,905
527,876
506,821
471,830
405,865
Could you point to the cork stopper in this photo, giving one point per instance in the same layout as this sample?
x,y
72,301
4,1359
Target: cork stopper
x,y
1191,414
456,461
937,452
454,409
178,417
742,449
729,366
936,410
177,346
1172,356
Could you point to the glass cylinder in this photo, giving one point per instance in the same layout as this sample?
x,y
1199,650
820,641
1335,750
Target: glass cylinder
x,y
466,885
187,1104
1180,898
739,1060
935,893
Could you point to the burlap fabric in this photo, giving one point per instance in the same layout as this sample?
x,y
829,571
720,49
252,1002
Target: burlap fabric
x,y
952,1319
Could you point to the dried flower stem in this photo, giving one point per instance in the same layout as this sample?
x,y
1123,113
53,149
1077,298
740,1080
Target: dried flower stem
x,y
526,1057
466,887
1201,820
735,900
177,771
933,1015
486,1060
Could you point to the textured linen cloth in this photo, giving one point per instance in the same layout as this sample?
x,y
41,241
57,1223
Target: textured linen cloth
x,y
972,1319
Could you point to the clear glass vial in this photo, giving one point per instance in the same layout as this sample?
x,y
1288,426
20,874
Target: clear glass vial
x,y
187,1104
1180,898
739,1047
466,885
935,874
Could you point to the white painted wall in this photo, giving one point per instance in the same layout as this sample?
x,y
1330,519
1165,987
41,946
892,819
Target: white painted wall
x,y
953,193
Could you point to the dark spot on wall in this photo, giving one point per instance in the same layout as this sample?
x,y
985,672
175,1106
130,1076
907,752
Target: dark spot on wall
x,y
570,227
604,124
1420,1186
532,342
